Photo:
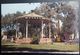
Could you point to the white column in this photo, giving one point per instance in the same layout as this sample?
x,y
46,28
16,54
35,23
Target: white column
x,y
42,29
16,33
16,30
26,28
49,30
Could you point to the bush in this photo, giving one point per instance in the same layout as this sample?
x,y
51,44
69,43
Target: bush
x,y
35,39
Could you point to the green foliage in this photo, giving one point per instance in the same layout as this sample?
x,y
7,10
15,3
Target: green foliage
x,y
35,39
12,32
8,18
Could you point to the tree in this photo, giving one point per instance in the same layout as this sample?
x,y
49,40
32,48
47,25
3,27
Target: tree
x,y
7,21
60,11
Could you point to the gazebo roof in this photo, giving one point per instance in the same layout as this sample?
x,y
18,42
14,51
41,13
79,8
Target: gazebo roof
x,y
32,16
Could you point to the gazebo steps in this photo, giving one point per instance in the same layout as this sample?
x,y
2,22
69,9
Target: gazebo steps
x,y
24,40
45,41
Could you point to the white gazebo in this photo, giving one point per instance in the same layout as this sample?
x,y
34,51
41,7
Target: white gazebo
x,y
33,24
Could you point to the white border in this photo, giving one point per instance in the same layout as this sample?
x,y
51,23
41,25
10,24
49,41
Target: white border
x,y
39,52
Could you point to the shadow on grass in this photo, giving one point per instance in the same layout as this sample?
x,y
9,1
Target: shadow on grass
x,y
6,48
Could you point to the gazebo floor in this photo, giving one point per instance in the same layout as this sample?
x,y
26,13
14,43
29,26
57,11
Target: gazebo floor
x,y
24,40
45,41
29,41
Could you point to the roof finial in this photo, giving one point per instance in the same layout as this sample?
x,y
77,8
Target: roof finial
x,y
32,11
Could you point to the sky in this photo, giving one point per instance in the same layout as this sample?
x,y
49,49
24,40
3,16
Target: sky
x,y
12,8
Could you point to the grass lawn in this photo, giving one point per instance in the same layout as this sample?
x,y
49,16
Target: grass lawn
x,y
54,46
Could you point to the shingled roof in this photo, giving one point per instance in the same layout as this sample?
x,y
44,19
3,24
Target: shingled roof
x,y
31,15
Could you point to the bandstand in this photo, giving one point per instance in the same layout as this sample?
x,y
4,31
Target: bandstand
x,y
31,25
